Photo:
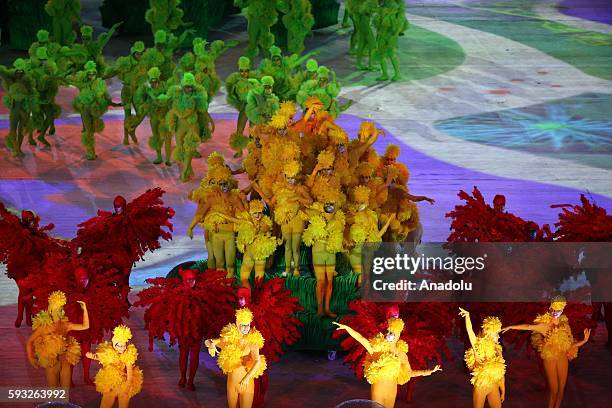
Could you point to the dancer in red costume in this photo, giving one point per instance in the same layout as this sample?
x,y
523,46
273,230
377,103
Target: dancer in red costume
x,y
588,222
428,325
189,309
23,248
94,267
274,311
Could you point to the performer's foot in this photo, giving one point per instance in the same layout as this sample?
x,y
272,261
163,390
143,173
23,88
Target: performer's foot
x,y
296,273
44,141
157,160
126,140
29,321
238,154
330,314
182,382
17,153
382,78
190,386
18,322
396,78
133,137
320,312
168,163
31,141
52,130
91,156
362,67
197,155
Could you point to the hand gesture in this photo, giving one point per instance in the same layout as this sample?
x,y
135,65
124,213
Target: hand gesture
x,y
90,355
190,233
243,384
33,362
436,368
83,306
505,329
464,313
429,200
587,334
340,326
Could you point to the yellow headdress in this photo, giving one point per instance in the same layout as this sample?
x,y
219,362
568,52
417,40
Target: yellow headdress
x,y
361,194
288,107
121,334
393,151
292,168
337,135
491,324
57,300
219,173
280,119
395,325
256,206
326,159
327,194
215,159
244,316
558,303
367,130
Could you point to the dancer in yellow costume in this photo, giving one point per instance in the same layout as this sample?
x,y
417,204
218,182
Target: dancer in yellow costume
x,y
486,362
552,338
239,358
50,347
325,234
386,365
254,240
220,198
289,197
119,378
363,229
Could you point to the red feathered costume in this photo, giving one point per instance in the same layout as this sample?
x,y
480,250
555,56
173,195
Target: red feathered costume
x,y
274,309
476,221
24,246
94,267
427,327
189,309
588,222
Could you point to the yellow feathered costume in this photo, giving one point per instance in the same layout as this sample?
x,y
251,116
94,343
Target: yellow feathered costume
x,y
327,228
558,341
384,364
235,351
254,237
112,377
50,348
486,363
365,222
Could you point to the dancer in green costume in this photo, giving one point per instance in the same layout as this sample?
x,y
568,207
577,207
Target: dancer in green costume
x,y
262,103
19,98
64,14
298,21
238,85
188,120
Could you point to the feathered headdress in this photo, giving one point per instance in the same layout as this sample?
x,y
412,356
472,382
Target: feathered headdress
x,y
491,324
121,334
57,300
395,325
558,303
219,173
244,316
326,159
392,151
215,159
361,194
256,206
292,168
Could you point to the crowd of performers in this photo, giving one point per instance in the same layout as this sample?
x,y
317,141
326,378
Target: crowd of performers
x,y
74,292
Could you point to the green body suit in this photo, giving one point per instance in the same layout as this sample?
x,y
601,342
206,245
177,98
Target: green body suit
x,y
261,15
64,13
187,120
164,15
366,43
238,85
19,98
92,102
390,23
47,79
298,21
325,88
261,106
152,101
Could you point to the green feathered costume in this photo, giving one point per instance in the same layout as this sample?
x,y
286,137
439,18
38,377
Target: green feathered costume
x,y
92,102
261,102
238,85
188,120
164,15
390,22
19,98
64,13
298,21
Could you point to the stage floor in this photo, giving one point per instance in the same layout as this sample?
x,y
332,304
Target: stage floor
x,y
511,96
